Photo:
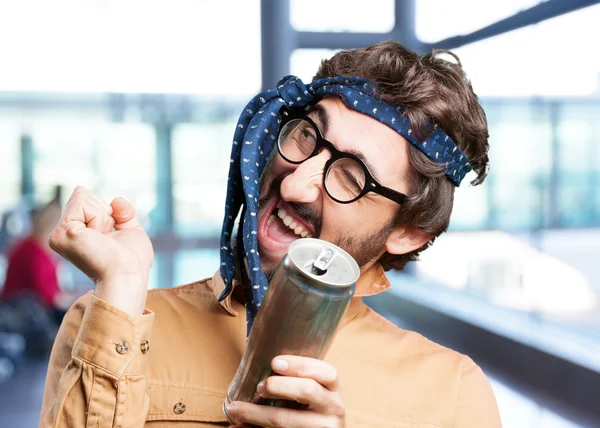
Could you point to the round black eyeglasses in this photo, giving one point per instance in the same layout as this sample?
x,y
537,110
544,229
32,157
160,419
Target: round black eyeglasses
x,y
346,178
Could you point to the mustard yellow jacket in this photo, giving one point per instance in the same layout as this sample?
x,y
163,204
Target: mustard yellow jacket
x,y
173,364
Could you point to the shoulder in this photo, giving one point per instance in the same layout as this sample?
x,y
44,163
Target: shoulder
x,y
436,385
405,356
449,380
406,344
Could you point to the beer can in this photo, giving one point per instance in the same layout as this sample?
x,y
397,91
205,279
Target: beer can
x,y
304,304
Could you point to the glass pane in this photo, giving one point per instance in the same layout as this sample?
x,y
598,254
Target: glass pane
x,y
470,206
125,158
342,16
176,46
520,158
201,163
109,159
578,165
549,59
440,19
10,170
304,63
195,265
63,155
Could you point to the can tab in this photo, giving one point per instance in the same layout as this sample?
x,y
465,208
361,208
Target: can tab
x,y
323,260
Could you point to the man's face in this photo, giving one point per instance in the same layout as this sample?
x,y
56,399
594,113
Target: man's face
x,y
294,203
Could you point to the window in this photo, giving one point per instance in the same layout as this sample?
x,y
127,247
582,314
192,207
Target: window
x,y
201,155
156,46
342,15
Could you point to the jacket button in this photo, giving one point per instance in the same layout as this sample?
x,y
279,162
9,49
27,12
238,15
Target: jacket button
x,y
145,346
123,347
179,408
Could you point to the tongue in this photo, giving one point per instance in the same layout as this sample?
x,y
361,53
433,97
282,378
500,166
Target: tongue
x,y
280,232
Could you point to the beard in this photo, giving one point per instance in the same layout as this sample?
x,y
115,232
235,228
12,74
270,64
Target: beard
x,y
362,246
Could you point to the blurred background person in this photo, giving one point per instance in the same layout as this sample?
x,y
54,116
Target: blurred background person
x,y
32,301
32,268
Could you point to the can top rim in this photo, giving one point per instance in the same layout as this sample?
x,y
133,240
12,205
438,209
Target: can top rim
x,y
349,261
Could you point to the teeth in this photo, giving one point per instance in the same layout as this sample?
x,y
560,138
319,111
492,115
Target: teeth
x,y
289,222
269,221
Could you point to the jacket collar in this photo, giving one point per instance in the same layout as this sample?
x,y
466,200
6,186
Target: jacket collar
x,y
371,282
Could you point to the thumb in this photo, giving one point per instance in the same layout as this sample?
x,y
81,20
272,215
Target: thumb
x,y
124,215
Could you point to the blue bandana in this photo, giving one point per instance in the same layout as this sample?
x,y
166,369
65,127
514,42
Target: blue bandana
x,y
256,137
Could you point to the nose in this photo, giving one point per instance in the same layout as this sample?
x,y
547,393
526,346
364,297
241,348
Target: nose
x,y
305,184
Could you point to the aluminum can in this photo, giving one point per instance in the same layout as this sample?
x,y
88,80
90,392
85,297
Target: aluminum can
x,y
304,304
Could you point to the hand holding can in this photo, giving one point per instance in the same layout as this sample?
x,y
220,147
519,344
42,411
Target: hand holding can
x,y
307,297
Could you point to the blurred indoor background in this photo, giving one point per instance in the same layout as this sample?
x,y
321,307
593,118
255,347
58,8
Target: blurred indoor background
x,y
139,98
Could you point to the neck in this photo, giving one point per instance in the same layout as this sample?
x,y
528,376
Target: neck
x,y
369,275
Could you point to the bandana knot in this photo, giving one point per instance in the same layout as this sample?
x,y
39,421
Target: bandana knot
x,y
294,92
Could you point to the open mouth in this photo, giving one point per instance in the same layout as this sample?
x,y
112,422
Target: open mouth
x,y
280,226
288,220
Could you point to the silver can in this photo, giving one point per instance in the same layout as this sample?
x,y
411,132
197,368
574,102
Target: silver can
x,y
305,302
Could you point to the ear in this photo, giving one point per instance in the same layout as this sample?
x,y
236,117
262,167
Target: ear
x,y
403,241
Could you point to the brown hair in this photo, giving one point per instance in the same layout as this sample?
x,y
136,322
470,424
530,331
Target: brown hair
x,y
427,87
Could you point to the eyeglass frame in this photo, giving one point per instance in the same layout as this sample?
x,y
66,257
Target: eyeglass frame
x,y
288,114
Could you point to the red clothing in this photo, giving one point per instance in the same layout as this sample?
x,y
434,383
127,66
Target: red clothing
x,y
31,270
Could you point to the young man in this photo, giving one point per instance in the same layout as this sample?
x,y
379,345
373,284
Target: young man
x,y
366,157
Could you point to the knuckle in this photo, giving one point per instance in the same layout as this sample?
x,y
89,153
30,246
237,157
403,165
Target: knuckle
x,y
79,189
310,390
339,410
332,377
279,419
53,239
330,370
268,385
242,414
303,370
70,232
56,236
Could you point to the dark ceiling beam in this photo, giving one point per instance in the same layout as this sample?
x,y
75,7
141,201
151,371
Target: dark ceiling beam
x,y
403,32
329,40
534,15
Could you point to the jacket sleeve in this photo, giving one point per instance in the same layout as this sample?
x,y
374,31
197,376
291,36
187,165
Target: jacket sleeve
x,y
97,370
476,406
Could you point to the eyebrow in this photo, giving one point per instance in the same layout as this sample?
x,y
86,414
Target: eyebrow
x,y
321,116
369,166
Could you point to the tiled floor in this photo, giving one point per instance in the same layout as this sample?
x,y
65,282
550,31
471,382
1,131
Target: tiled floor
x,y
21,396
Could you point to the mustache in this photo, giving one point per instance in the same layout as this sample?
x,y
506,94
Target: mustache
x,y
306,212
271,191
310,214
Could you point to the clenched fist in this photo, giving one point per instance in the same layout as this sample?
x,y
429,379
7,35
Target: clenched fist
x,y
108,244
